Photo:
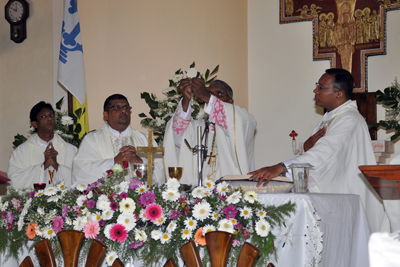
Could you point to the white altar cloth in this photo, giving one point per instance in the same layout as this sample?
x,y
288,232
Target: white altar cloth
x,y
326,230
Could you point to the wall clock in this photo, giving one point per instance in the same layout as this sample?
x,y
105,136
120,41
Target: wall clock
x,y
16,13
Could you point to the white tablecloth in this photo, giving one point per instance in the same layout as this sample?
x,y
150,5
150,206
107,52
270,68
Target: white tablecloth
x,y
326,230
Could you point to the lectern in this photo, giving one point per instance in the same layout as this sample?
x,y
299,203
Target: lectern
x,y
384,179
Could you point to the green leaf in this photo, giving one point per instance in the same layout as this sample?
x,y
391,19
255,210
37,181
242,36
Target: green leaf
x,y
78,128
177,72
395,136
73,116
378,93
19,139
211,80
145,96
142,115
153,114
59,103
207,74
78,112
215,70
192,65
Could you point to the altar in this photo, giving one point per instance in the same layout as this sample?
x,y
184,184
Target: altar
x,y
325,230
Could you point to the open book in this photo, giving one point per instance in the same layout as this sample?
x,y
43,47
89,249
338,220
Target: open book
x,y
246,177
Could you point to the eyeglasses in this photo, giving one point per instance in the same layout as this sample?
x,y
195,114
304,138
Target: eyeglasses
x,y
119,108
320,87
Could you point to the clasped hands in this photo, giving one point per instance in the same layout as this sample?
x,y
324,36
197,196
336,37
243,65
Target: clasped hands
x,y
127,153
50,157
195,85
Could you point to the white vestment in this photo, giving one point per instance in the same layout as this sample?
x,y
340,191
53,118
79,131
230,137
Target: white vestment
x,y
227,133
25,167
97,151
336,157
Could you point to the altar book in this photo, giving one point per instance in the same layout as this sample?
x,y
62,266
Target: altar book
x,y
246,178
280,184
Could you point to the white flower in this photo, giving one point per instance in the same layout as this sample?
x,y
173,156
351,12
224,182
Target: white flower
x,y
171,194
186,234
40,210
142,215
107,214
103,205
20,223
246,212
68,220
48,233
286,234
31,128
61,186
260,214
140,235
173,183
102,197
190,223
209,184
69,136
201,211
167,90
208,228
214,216
171,104
96,216
107,230
4,206
222,188
158,100
89,195
156,234
250,196
39,193
207,192
117,168
262,228
141,189
111,257
198,192
53,199
50,191
80,199
67,120
81,187
128,220
127,205
160,221
177,78
201,114
234,198
58,132
225,226
79,223
26,207
191,73
160,122
165,238
171,227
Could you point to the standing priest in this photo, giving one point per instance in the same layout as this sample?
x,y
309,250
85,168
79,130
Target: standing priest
x,y
231,133
115,142
45,157
340,143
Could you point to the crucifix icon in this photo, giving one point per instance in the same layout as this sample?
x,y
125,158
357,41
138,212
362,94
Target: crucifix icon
x,y
150,151
293,134
345,32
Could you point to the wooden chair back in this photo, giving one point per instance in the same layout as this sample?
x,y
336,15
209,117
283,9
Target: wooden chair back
x,y
118,263
27,262
219,244
96,254
191,255
170,263
45,254
270,265
248,255
71,243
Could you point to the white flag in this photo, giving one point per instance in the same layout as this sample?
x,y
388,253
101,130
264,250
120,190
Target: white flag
x,y
71,71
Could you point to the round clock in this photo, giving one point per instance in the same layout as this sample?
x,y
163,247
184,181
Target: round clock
x,y
16,13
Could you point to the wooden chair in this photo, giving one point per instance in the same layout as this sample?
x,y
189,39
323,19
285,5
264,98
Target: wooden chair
x,y
248,256
71,243
270,265
118,263
96,254
27,262
45,253
170,263
219,244
191,255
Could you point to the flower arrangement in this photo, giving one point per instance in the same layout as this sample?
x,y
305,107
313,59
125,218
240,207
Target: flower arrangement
x,y
136,221
390,98
162,109
66,126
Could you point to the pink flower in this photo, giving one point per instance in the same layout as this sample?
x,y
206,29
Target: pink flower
x,y
58,224
153,212
146,198
91,229
118,233
235,243
123,195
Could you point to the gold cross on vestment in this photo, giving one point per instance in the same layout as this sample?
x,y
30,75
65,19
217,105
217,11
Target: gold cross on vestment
x,y
210,156
150,151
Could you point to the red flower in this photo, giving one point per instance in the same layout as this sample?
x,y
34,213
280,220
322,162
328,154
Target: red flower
x,y
153,212
109,172
118,233
125,164
138,174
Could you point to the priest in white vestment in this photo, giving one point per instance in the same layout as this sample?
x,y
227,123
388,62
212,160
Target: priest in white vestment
x,y
340,143
115,142
231,133
45,157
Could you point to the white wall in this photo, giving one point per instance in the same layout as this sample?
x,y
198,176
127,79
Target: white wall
x,y
282,76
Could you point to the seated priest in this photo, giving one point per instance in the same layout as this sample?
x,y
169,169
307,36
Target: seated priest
x,y
339,144
45,157
230,140
115,142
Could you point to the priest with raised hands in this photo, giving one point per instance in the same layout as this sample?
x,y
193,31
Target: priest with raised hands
x,y
230,140
339,144
45,157
115,142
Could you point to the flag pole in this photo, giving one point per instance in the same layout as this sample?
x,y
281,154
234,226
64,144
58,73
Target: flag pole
x,y
69,99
